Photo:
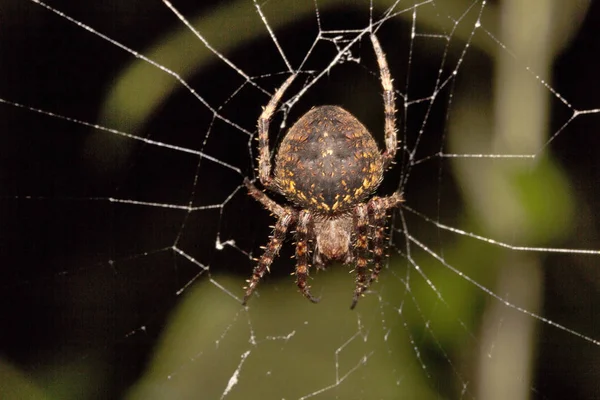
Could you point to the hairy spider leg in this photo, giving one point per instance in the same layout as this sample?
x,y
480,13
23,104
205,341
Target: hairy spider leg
x,y
361,245
378,207
286,217
264,155
269,254
389,101
263,199
302,265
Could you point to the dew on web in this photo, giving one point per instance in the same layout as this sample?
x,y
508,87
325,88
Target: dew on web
x,y
127,232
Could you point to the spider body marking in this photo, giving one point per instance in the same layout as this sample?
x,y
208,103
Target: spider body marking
x,y
328,161
327,166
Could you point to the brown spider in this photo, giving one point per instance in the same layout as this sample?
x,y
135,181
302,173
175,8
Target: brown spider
x,y
327,165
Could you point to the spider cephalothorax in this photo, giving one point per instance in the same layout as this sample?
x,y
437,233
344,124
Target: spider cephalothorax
x,y
327,166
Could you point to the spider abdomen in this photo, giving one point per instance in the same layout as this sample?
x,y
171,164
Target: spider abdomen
x,y
328,161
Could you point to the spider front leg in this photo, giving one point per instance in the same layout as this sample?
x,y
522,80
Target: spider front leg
x,y
389,103
264,154
265,261
302,255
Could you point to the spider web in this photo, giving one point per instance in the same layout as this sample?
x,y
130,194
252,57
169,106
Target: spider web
x,y
126,232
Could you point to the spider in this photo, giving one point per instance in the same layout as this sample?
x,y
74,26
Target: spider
x,y
327,165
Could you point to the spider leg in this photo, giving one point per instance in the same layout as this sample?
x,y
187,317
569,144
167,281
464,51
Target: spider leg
x,y
377,209
263,199
361,223
389,102
265,261
302,255
264,156
378,206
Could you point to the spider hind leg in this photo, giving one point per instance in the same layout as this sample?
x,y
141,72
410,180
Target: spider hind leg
x,y
302,255
361,245
377,209
271,251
